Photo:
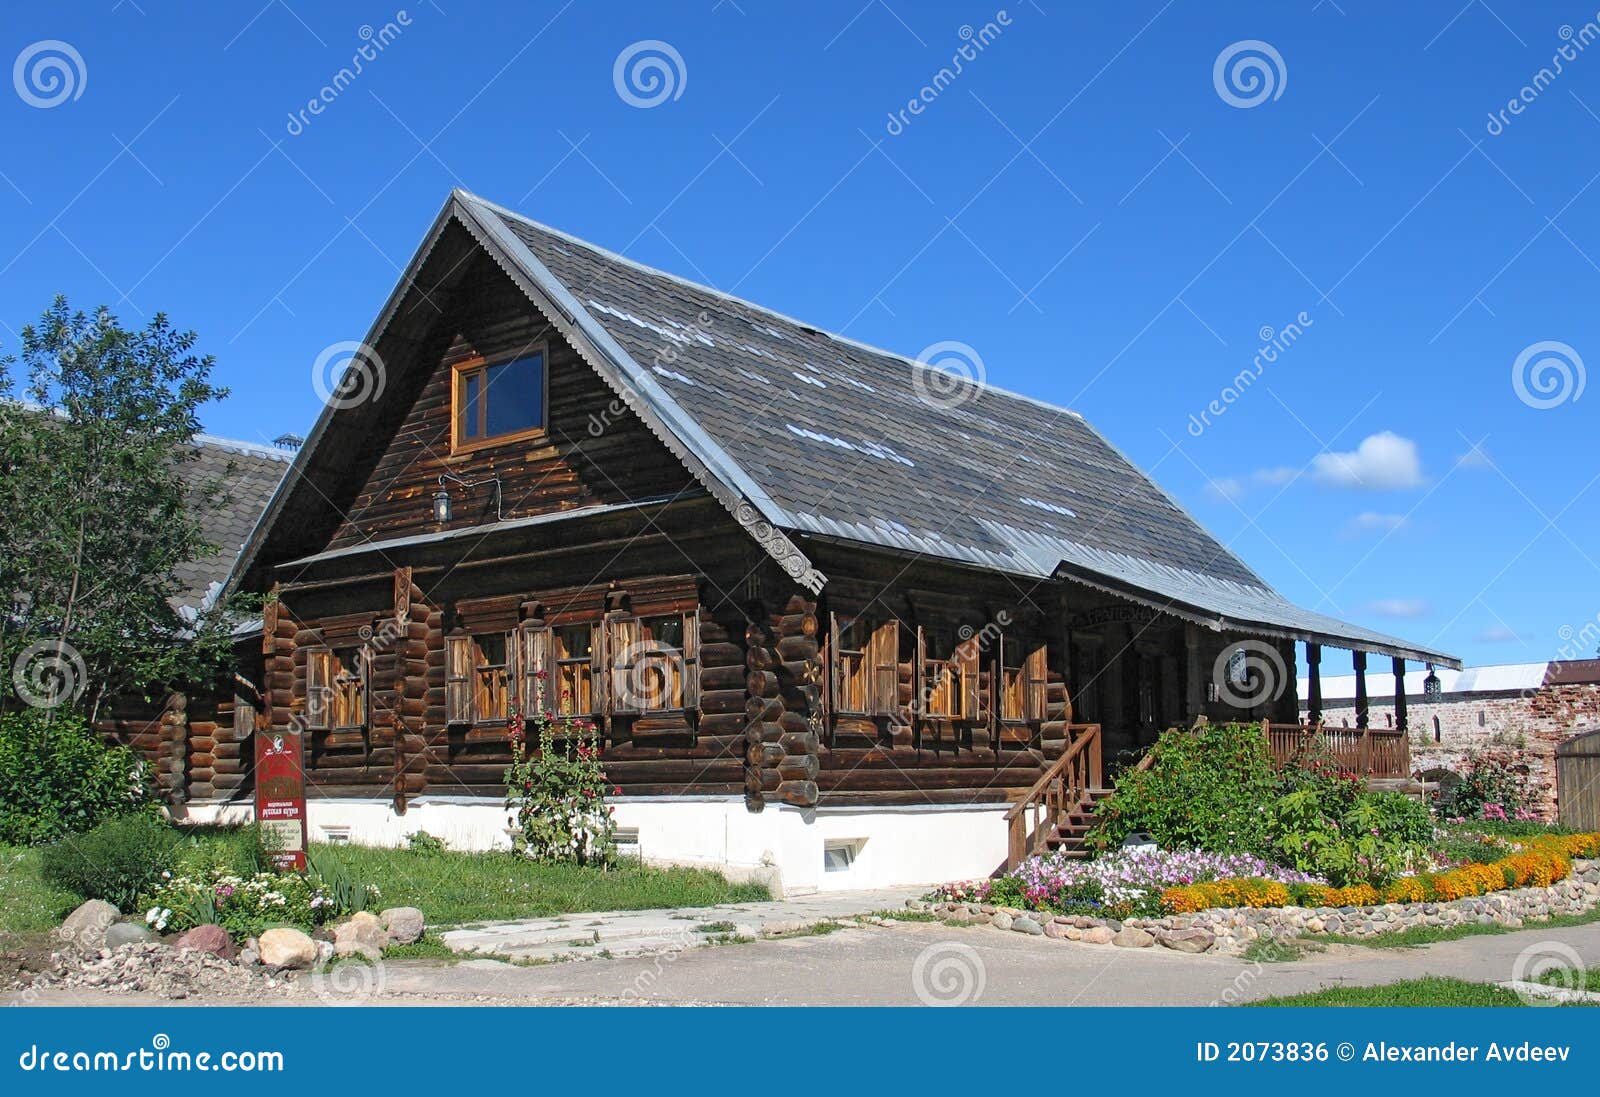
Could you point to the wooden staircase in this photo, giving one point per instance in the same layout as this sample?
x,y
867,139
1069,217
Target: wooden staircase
x,y
1057,813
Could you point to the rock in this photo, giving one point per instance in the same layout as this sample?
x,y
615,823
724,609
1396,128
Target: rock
x,y
1129,937
1098,935
286,947
1187,940
85,928
324,950
362,935
249,957
128,933
405,924
1073,933
1027,925
212,939
911,904
1000,920
1057,931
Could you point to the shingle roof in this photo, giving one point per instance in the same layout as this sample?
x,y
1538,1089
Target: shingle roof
x,y
799,431
248,475
848,441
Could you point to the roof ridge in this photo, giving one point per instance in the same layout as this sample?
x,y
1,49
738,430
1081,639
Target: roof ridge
x,y
240,445
765,310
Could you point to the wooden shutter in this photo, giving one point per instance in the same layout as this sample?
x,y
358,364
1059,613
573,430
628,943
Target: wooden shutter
x,y
1036,681
535,655
513,672
883,658
919,676
691,660
319,682
966,657
836,668
623,650
458,691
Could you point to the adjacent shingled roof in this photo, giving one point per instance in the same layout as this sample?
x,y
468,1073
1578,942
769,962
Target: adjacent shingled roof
x,y
850,442
248,475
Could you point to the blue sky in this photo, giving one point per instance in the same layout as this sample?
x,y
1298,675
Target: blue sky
x,y
1108,222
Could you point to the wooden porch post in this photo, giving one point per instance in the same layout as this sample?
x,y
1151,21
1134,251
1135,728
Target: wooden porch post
x,y
1401,720
1359,659
1313,683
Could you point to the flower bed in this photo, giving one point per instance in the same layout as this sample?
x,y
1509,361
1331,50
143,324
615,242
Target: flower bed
x,y
1539,862
1120,883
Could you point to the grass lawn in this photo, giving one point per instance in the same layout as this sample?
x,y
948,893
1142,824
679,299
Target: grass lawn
x,y
1589,979
453,888
27,903
1431,991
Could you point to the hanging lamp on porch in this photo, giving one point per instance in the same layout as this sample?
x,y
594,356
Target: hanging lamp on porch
x,y
1430,686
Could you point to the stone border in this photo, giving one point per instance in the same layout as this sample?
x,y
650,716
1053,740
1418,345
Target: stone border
x,y
1232,929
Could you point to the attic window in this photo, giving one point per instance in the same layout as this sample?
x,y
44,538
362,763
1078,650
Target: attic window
x,y
499,401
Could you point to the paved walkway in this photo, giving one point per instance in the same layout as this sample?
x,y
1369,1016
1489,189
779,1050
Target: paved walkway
x,y
636,932
915,963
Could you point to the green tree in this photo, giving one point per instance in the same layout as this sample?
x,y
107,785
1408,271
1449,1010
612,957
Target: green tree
x,y
97,512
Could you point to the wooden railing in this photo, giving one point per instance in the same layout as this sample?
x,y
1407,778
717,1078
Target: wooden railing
x,y
1365,752
1064,786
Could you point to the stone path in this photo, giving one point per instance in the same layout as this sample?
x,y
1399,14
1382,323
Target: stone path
x,y
639,932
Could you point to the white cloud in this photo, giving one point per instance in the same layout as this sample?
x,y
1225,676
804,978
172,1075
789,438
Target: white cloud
x,y
1233,487
1370,521
1398,607
1496,634
1382,462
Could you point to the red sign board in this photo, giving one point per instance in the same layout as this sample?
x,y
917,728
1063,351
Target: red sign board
x,y
281,797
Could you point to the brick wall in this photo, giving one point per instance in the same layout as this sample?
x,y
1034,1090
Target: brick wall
x,y
1531,724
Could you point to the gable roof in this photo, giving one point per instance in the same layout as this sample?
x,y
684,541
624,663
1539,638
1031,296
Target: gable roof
x,y
799,431
248,475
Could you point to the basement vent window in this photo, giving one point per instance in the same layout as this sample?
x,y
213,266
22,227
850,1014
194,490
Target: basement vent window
x,y
840,856
628,842
336,836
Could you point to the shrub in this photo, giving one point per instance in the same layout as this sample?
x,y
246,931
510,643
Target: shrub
x,y
57,777
556,789
114,861
1204,789
1493,785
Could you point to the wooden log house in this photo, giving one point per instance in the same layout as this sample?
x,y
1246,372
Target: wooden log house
x,y
832,619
